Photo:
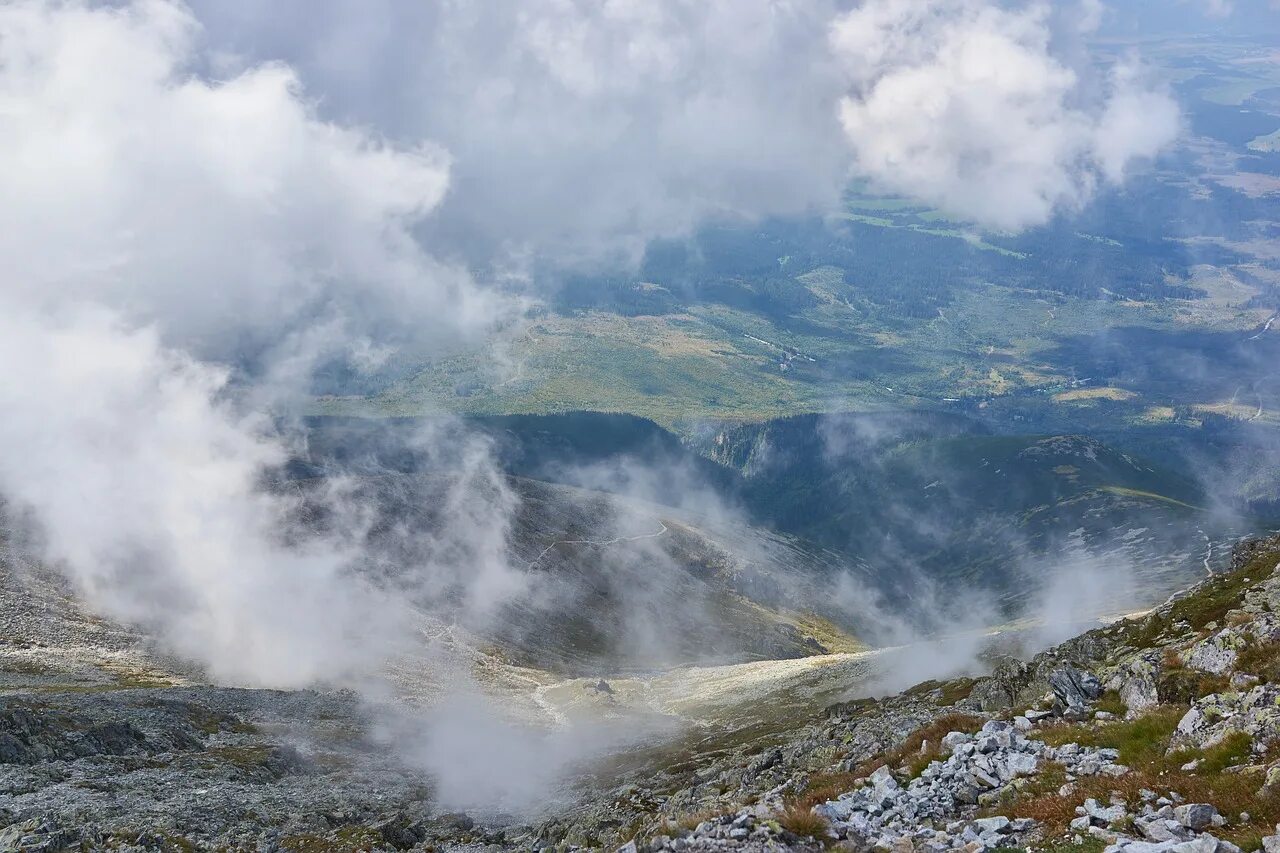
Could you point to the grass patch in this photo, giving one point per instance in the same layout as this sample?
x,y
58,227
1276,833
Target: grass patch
x,y
803,822
1210,602
1181,686
823,787
1142,740
1110,702
1143,743
345,840
952,691
1261,659
1233,751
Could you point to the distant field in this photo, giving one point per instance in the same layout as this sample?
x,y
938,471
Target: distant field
x,y
1085,395
1146,311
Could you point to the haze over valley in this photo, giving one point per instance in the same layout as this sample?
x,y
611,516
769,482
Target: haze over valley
x,y
569,424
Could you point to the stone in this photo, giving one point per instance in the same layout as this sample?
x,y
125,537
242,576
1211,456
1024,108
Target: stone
x,y
1242,681
1195,816
999,823
1074,688
1138,692
882,778
1144,847
1190,722
1217,654
1106,816
1158,829
1103,835
1021,764
1203,844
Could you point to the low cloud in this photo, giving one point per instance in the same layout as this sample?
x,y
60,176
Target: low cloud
x,y
179,254
962,104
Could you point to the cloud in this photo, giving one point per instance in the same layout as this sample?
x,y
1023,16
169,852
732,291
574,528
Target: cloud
x,y
179,253
579,129
225,212
962,104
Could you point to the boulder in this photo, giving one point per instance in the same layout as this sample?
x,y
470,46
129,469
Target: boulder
x,y
1074,688
1195,816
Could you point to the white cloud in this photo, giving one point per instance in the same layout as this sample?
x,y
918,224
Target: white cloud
x,y
160,229
962,104
223,211
578,127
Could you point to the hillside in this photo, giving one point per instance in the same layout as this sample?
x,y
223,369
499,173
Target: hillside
x,y
905,499
1160,729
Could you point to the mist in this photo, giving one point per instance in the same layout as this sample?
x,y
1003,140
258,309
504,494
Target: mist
x,y
199,206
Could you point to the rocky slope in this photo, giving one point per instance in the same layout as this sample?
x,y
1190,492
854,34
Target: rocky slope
x,y
1158,733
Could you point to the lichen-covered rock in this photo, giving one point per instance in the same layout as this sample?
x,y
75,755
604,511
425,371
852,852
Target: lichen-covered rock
x,y
1217,653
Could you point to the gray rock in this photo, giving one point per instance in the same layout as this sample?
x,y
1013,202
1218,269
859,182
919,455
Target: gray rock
x,y
1195,816
999,823
1190,722
1159,829
1138,692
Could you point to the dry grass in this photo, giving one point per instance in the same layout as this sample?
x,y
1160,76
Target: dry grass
x,y
1141,741
803,822
1119,394
1232,793
1211,602
951,691
1179,685
823,787
1260,659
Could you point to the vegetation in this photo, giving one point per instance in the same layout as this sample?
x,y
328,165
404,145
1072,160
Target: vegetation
x,y
823,787
951,691
1179,684
1210,602
1144,746
347,839
1261,659
803,822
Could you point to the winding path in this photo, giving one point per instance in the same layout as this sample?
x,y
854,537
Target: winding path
x,y
600,544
